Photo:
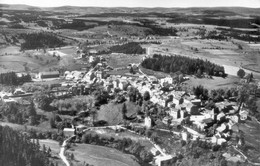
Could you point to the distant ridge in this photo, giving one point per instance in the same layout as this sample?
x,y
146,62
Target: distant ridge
x,y
96,10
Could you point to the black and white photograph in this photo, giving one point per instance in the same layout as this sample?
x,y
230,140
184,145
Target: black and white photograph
x,y
130,83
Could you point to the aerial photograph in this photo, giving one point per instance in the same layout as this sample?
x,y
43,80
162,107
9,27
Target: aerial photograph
x,y
130,83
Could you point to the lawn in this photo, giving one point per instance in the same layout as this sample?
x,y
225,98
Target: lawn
x,y
101,156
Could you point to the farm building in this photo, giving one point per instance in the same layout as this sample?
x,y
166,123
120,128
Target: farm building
x,y
68,132
51,74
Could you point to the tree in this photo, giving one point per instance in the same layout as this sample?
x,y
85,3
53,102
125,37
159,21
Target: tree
x,y
52,121
124,111
31,109
44,100
44,148
146,96
241,73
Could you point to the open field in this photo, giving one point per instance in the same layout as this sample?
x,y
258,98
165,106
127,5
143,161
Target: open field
x,y
253,67
10,50
125,134
100,156
27,62
220,52
22,127
121,60
215,83
55,150
251,131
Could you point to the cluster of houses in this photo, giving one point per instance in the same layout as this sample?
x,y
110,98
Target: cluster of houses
x,y
179,104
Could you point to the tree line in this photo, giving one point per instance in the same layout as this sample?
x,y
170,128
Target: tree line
x,y
11,78
129,48
186,65
40,40
17,149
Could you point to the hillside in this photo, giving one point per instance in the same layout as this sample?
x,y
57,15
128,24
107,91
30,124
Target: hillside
x,y
98,10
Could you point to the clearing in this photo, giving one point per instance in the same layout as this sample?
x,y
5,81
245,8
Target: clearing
x,y
100,156
215,83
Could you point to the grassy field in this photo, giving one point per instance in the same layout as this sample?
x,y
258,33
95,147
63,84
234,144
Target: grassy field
x,y
121,60
215,83
112,113
149,72
22,127
251,130
55,150
253,67
27,62
10,50
100,156
126,134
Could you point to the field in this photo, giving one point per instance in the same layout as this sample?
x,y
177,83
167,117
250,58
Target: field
x,y
22,127
27,62
125,134
253,67
112,114
100,156
121,60
220,52
251,130
10,50
55,150
215,83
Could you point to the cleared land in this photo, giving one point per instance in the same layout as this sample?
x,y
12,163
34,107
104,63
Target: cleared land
x,y
100,156
215,83
121,60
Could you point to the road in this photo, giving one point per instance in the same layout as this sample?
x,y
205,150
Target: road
x,y
63,149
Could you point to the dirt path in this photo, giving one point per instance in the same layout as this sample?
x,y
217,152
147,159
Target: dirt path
x,y
63,149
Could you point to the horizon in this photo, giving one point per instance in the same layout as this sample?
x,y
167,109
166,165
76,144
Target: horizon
x,y
138,3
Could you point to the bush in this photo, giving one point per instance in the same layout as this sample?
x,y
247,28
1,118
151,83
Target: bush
x,y
241,73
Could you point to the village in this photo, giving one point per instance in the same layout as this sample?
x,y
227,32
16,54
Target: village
x,y
215,125
94,86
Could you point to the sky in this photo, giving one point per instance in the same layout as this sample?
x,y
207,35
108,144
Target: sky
x,y
137,3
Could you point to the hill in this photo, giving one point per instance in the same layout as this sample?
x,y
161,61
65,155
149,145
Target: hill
x,y
98,10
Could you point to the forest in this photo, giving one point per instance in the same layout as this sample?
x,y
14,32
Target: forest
x,y
76,25
40,40
129,48
18,150
12,79
172,64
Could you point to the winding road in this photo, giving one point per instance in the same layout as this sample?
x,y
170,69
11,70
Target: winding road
x,y
63,149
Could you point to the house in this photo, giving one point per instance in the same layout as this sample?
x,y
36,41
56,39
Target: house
x,y
19,91
100,74
148,122
90,59
163,160
50,74
216,140
68,132
243,114
168,80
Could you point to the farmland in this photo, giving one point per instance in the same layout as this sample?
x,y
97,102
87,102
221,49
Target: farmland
x,y
168,75
99,155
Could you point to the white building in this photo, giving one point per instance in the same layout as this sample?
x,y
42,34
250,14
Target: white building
x,y
159,160
148,122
